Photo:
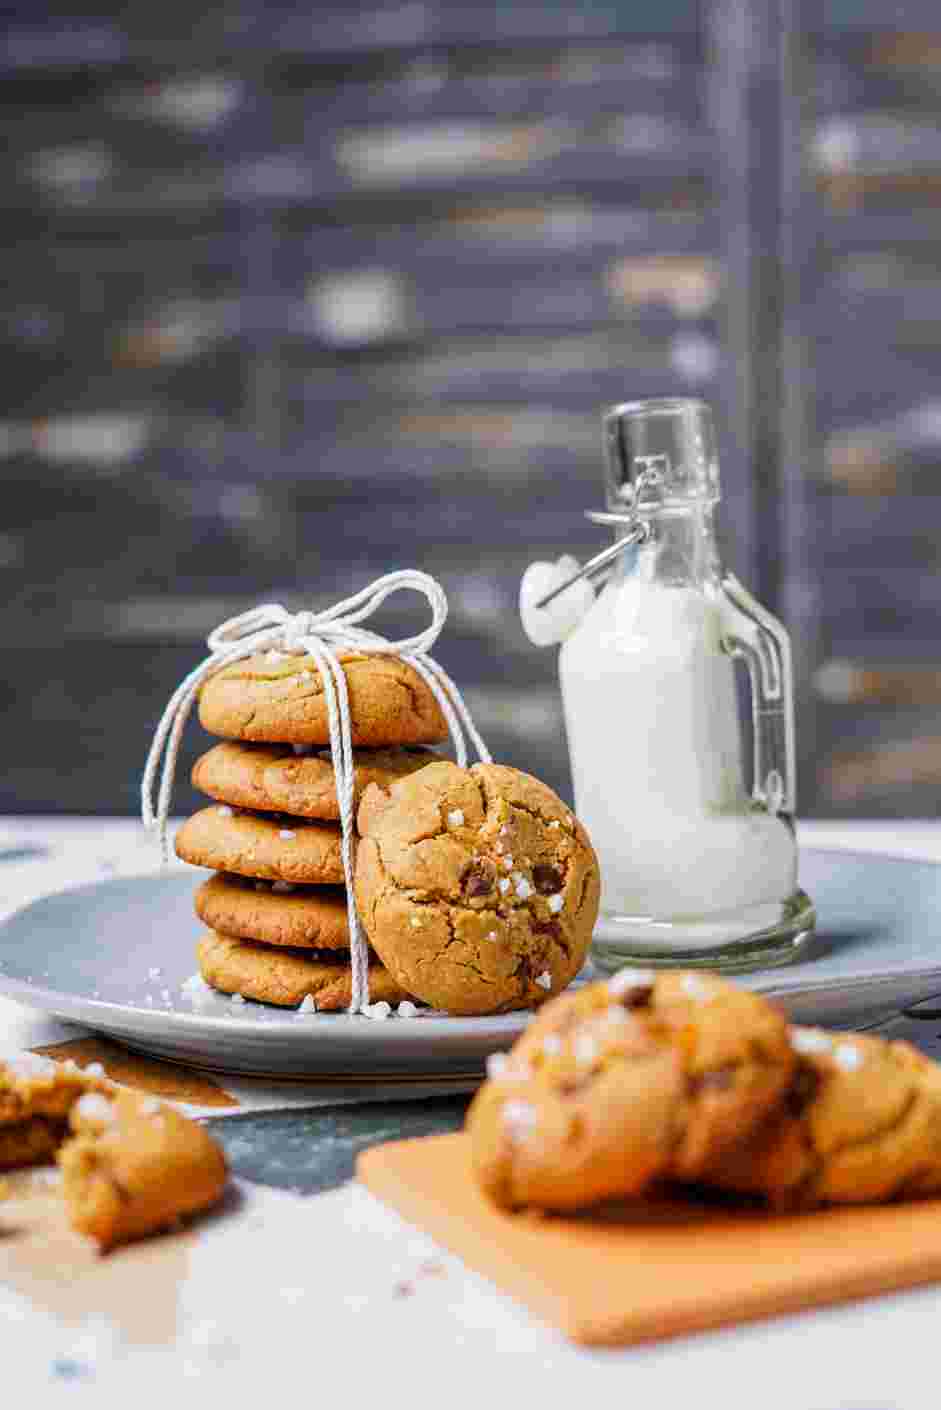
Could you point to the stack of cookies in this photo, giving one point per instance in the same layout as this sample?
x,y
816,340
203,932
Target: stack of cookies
x,y
276,907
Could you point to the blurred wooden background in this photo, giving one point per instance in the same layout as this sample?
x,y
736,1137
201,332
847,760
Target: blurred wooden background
x,y
296,294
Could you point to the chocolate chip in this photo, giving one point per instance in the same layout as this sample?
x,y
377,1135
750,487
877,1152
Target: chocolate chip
x,y
547,880
803,1089
636,997
720,1079
479,881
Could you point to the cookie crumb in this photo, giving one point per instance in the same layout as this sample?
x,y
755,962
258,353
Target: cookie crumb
x,y
307,1004
504,884
524,889
238,998
225,811
810,1040
407,1009
287,835
455,818
544,980
848,1058
556,903
92,1106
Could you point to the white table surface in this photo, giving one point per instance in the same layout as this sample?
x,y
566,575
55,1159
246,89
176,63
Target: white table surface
x,y
302,1297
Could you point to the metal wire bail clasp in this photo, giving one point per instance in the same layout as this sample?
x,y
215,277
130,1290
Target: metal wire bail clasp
x,y
636,530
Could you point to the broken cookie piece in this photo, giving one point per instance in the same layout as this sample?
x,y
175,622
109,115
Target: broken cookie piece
x,y
131,1164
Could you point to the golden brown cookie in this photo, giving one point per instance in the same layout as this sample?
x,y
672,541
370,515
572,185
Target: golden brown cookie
x,y
134,1165
307,917
268,848
287,977
275,698
639,1078
477,887
860,1122
36,1096
273,778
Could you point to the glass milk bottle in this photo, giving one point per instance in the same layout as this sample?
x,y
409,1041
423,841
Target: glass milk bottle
x,y
697,865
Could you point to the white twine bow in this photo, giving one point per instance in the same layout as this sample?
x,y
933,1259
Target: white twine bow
x,y
320,635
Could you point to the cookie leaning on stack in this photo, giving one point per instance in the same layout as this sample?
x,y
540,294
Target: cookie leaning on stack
x,y
276,908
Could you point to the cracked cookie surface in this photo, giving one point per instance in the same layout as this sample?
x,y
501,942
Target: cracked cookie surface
x,y
860,1122
286,977
313,917
274,698
261,846
272,778
477,887
640,1078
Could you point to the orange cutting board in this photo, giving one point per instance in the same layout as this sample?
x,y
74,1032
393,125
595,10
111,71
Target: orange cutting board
x,y
644,1271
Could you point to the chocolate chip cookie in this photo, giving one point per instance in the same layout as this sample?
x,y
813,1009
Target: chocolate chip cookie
x,y
261,846
275,778
860,1122
302,917
477,887
276,698
287,977
643,1077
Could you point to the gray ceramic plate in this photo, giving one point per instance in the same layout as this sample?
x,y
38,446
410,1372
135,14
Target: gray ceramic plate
x,y
85,955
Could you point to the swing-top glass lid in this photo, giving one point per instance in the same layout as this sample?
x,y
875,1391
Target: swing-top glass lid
x,y
659,454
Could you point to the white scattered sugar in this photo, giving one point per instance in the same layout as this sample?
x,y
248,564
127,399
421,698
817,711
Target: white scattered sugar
x,y
92,1106
155,972
519,1116
555,823
848,1057
492,935
810,1040
148,998
496,1064
556,903
195,984
694,987
165,995
552,1044
380,1010
586,1049
308,1004
149,1106
524,889
455,818
31,1065
407,1009
415,922
238,998
94,1069
282,887
504,884
287,835
628,978
544,980
225,811
508,862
